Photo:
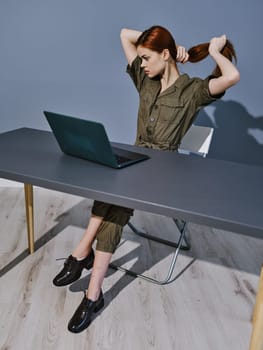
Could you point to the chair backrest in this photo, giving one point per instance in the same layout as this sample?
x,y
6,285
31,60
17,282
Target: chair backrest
x,y
197,140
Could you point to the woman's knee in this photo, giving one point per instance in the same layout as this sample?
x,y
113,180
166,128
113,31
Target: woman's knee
x,y
112,213
109,236
100,209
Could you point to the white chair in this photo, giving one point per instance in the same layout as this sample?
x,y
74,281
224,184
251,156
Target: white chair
x,y
197,140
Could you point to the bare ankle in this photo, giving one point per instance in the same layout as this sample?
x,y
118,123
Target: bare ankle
x,y
81,254
93,294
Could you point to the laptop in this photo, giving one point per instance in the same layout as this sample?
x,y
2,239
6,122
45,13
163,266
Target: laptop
x,y
88,140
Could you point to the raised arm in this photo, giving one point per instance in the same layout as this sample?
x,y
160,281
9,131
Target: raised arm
x,y
230,75
129,38
128,41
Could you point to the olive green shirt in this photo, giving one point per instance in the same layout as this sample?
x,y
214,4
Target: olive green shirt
x,y
164,118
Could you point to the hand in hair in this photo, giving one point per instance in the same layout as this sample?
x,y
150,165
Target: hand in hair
x,y
216,47
217,44
226,74
182,55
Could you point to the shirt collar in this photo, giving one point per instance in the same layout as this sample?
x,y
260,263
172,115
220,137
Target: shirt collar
x,y
180,81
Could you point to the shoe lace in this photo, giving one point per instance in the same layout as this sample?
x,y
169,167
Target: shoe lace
x,y
68,261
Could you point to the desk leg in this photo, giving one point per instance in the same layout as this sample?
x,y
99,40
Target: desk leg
x,y
29,216
256,341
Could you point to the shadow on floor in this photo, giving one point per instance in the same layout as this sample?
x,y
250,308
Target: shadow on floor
x,y
214,246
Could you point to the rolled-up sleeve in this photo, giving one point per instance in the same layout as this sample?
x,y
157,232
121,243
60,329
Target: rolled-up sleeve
x,y
202,93
136,73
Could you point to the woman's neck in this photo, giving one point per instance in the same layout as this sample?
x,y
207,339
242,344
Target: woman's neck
x,y
169,76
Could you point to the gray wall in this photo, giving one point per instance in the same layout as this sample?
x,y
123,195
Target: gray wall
x,y
65,56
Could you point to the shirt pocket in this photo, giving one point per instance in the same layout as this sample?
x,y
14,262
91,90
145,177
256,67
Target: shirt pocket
x,y
171,111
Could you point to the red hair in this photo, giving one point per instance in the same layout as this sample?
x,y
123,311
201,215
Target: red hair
x,y
158,38
199,52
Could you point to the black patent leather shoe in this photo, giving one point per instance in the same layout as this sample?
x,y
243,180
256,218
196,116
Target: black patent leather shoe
x,y
83,315
72,269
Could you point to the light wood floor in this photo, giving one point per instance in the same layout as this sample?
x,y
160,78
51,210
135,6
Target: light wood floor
x,y
208,307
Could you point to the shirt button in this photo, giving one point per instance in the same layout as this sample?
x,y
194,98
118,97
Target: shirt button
x,y
152,119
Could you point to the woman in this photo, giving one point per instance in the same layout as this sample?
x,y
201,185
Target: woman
x,y
169,102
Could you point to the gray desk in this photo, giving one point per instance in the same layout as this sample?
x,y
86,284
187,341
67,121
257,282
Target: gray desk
x,y
221,194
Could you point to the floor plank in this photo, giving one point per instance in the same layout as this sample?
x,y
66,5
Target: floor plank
x,y
208,307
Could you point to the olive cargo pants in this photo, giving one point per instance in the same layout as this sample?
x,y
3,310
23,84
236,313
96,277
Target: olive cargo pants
x,y
114,219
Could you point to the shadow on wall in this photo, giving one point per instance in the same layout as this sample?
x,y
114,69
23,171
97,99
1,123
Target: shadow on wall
x,y
238,136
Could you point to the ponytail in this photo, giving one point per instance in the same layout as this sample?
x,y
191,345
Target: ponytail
x,y
199,52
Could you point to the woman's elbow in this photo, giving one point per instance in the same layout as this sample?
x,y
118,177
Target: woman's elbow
x,y
232,79
123,33
235,77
